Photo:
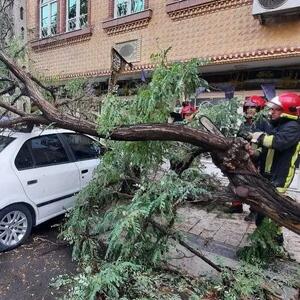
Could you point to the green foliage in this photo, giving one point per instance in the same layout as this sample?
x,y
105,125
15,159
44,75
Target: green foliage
x,y
129,237
108,282
113,240
130,188
15,49
244,282
153,102
112,282
75,87
264,245
140,241
225,115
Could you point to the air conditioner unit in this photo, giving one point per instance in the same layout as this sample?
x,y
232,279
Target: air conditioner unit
x,y
275,7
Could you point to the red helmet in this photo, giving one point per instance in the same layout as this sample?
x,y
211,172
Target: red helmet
x,y
254,101
189,109
289,103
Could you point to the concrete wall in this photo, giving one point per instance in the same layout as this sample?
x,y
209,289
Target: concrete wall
x,y
19,13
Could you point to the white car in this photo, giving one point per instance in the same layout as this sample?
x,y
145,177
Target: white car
x,y
41,172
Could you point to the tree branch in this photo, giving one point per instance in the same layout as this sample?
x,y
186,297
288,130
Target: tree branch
x,y
61,102
23,120
7,90
2,79
184,244
12,109
180,166
39,83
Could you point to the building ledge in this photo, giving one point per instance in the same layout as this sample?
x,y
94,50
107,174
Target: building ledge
x,y
182,9
127,23
259,55
62,39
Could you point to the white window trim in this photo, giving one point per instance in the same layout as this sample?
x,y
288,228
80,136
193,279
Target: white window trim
x,y
77,17
48,3
129,8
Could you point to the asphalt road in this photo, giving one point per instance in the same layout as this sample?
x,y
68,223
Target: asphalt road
x,y
25,272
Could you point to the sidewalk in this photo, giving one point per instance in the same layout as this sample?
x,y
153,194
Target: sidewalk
x,y
218,236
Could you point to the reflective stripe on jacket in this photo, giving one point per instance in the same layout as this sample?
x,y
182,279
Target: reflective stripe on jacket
x,y
283,147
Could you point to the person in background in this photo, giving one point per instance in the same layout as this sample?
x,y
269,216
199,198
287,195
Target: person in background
x,y
185,114
252,123
188,111
282,145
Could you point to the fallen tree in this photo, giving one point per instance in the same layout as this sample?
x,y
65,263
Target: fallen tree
x,y
122,225
229,154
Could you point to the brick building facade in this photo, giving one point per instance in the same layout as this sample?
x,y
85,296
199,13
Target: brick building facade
x,y
222,31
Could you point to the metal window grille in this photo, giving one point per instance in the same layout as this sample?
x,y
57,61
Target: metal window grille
x,y
48,18
126,7
77,14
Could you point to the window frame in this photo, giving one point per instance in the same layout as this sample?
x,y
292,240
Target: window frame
x,y
77,17
132,22
48,3
115,9
71,151
26,143
31,155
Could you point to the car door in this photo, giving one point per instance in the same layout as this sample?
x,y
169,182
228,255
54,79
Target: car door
x,y
86,153
48,175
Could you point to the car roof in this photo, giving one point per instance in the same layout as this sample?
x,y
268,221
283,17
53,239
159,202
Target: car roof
x,y
35,132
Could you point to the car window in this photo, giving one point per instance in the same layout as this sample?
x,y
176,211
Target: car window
x,y
24,159
5,141
47,150
82,146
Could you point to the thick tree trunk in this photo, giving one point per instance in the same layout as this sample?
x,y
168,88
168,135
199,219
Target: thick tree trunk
x,y
251,188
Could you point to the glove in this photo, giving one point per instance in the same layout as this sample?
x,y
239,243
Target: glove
x,y
257,137
245,135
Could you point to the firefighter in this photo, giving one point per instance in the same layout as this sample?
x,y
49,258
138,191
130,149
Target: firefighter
x,y
188,111
281,144
251,107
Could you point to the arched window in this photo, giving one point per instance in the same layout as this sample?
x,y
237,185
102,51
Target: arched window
x,y
127,7
21,13
77,14
48,18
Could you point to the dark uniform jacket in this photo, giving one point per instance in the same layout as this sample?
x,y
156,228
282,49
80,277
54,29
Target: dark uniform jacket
x,y
282,146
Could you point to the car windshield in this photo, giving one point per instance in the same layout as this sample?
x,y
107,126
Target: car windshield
x,y
4,141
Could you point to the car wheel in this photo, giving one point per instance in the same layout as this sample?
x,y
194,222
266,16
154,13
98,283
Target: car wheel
x,y
15,226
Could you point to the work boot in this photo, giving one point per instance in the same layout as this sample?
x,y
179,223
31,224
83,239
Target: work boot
x,y
236,209
251,217
279,239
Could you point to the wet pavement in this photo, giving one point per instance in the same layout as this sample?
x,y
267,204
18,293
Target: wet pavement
x,y
228,230
26,272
